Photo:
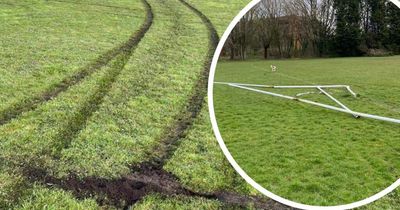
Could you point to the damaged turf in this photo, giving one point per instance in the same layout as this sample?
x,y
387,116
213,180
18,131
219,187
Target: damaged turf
x,y
145,180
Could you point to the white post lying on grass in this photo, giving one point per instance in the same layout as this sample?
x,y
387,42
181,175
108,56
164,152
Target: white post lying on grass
x,y
348,111
248,85
308,86
284,87
335,100
292,86
352,92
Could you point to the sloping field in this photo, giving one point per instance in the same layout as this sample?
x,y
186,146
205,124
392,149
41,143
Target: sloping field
x,y
307,153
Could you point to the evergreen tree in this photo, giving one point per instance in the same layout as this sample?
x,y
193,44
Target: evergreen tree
x,y
348,28
377,28
393,22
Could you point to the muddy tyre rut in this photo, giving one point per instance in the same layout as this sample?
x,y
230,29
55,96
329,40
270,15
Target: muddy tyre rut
x,y
144,180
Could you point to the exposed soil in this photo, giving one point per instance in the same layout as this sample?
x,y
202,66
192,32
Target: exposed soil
x,y
145,180
32,103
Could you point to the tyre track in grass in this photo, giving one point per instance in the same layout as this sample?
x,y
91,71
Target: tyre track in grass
x,y
141,84
150,177
123,50
118,63
184,121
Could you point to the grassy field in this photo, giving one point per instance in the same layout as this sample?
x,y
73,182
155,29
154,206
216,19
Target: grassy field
x,y
306,153
104,102
45,42
221,13
110,91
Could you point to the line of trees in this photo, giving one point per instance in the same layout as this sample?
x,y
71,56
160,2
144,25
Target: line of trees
x,y
316,28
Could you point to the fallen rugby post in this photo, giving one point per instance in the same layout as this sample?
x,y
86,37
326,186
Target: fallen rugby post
x,y
321,88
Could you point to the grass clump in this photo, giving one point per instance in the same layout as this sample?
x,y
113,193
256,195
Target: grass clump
x,y
177,202
12,188
48,199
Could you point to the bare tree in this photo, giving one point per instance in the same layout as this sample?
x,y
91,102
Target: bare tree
x,y
231,42
274,10
298,28
245,29
318,20
266,26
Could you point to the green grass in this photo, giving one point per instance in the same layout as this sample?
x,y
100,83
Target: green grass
x,y
41,135
46,41
182,203
15,193
122,131
221,13
12,187
49,199
200,164
305,153
389,202
36,137
151,92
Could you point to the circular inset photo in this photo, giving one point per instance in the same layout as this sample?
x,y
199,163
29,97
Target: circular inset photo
x,y
305,100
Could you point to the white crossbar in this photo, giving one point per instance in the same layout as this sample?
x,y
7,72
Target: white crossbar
x,y
292,86
286,86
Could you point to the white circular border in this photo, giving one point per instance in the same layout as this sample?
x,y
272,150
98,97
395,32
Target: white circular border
x,y
232,160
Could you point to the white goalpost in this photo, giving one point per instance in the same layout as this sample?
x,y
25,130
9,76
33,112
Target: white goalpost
x,y
321,88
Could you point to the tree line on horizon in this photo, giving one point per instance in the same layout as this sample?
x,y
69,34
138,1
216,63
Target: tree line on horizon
x,y
316,28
